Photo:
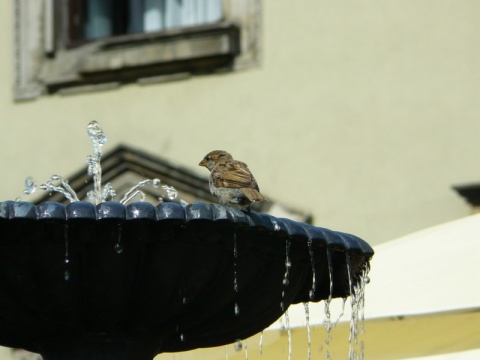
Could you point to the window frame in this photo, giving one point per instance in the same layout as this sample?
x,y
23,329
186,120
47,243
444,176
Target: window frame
x,y
46,62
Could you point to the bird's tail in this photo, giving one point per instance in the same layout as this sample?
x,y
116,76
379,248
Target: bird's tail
x,y
253,195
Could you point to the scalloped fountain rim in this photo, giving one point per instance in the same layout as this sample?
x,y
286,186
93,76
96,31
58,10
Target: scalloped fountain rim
x,y
179,213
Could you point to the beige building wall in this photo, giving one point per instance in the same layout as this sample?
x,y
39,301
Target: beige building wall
x,y
363,113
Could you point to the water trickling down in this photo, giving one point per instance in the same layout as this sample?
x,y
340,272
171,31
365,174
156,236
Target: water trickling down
x,y
357,302
289,333
328,317
307,324
353,319
260,344
119,245
238,345
288,265
330,325
235,279
66,273
312,261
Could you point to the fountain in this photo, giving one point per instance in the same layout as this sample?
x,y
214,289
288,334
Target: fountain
x,y
113,280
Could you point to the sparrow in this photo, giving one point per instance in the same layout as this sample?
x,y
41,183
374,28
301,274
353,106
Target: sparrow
x,y
231,180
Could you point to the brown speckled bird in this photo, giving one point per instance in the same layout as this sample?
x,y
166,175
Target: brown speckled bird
x,y
231,180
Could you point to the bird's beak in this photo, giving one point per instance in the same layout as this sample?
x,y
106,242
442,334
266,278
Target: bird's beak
x,y
202,163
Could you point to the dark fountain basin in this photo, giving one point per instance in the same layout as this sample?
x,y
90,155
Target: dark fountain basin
x,y
111,281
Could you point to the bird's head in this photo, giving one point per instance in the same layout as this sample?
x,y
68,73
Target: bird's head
x,y
214,157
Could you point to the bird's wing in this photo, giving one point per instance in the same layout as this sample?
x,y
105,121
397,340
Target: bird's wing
x,y
233,174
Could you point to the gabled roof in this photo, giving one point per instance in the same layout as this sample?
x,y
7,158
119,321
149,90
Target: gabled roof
x,y
125,166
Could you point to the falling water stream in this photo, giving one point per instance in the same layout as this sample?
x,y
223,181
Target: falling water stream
x,y
260,344
286,279
307,324
235,278
312,261
328,316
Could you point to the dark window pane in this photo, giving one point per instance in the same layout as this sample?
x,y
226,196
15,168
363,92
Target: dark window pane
x,y
93,19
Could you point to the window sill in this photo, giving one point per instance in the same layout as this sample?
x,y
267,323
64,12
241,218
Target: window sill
x,y
138,56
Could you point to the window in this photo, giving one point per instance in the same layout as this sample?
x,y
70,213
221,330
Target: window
x,y
67,46
93,19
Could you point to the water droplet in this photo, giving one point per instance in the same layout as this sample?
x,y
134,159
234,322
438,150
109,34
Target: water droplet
x,y
237,309
276,227
238,345
184,300
91,160
182,338
96,133
66,275
108,191
30,186
366,280
156,183
118,248
172,193
91,170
